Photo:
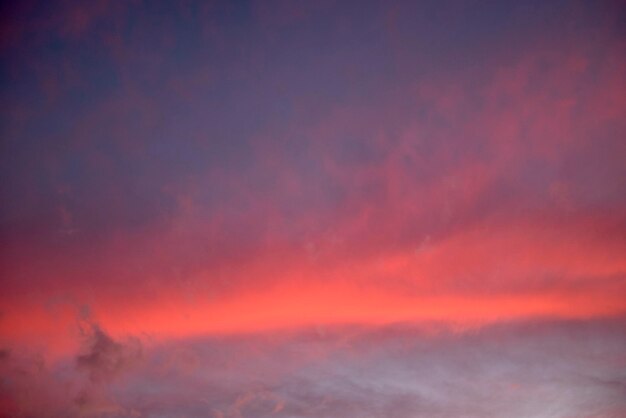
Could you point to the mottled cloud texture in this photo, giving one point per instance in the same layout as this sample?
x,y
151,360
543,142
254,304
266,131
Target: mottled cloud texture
x,y
532,369
188,188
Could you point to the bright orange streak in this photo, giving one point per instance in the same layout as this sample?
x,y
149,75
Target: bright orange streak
x,y
343,303
475,277
290,306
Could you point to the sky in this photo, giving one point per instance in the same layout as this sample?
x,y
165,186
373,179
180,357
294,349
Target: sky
x,y
289,208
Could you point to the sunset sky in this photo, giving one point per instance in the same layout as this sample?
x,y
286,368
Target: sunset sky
x,y
324,209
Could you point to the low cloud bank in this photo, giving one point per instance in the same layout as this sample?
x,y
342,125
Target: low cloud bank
x,y
525,369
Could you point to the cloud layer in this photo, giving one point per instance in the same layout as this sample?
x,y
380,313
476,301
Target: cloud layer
x,y
524,369
180,171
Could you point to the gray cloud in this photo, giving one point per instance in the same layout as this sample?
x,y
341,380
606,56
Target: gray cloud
x,y
527,369
532,369
105,358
